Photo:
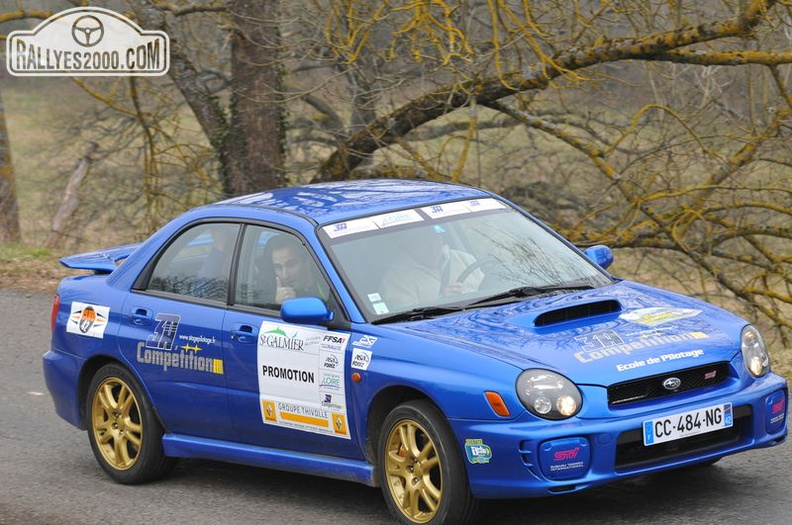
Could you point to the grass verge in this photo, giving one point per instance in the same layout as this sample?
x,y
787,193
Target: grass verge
x,y
29,269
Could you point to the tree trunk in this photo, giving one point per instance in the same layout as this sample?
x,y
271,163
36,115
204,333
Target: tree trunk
x,y
249,144
254,145
9,211
70,200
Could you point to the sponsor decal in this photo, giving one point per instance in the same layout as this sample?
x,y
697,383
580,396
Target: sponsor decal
x,y
607,343
566,455
566,465
658,315
277,338
331,381
289,374
380,308
777,406
331,401
184,360
597,340
638,363
301,378
395,218
198,339
365,341
449,209
87,319
330,361
485,204
87,41
164,333
269,411
162,349
349,227
477,452
339,424
361,359
564,458
437,211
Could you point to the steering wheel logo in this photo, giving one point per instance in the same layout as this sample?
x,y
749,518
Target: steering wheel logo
x,y
87,31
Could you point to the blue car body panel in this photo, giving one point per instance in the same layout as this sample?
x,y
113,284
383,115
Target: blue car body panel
x,y
203,383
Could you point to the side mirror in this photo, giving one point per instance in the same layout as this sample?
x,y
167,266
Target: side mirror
x,y
600,255
305,310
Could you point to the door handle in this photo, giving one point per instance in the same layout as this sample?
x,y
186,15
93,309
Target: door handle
x,y
243,333
141,317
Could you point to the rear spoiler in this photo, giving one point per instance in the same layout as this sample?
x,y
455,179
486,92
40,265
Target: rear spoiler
x,y
100,261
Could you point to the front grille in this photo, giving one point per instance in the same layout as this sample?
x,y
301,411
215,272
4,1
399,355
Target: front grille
x,y
631,453
652,387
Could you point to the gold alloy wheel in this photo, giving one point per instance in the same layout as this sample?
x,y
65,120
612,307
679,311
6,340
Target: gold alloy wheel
x,y
413,471
116,423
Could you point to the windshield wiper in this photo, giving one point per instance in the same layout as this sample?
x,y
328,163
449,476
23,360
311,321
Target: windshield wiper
x,y
416,314
528,291
427,312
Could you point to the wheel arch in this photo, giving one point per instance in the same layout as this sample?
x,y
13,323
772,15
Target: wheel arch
x,y
382,404
89,370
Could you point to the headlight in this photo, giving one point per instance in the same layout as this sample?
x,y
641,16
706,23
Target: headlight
x,y
755,355
548,395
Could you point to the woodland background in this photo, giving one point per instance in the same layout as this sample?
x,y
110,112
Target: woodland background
x,y
659,127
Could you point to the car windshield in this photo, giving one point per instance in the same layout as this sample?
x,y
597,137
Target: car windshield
x,y
452,256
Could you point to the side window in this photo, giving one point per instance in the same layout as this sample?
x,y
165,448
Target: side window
x,y
275,266
198,263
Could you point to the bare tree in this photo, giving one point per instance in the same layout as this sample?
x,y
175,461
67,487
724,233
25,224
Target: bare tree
x,y
249,142
9,210
661,128
695,173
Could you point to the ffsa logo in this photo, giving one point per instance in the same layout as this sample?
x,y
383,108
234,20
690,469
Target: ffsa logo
x,y
88,41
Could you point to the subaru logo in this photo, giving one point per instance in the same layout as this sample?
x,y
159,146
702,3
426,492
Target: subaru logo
x,y
672,383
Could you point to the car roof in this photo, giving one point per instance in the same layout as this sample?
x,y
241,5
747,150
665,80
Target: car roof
x,y
337,201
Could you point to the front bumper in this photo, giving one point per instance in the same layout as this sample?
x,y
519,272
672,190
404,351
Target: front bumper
x,y
594,451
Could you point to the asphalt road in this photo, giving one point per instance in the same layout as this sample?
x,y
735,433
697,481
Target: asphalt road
x,y
49,476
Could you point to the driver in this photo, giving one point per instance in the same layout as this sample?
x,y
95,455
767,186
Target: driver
x,y
428,269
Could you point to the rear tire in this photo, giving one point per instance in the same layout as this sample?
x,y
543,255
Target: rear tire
x,y
421,470
124,432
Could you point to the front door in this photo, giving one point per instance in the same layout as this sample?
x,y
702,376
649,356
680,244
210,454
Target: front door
x,y
286,382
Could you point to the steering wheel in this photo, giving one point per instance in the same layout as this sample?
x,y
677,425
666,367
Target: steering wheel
x,y
487,262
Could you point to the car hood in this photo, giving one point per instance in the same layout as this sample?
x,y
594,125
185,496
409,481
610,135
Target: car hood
x,y
598,337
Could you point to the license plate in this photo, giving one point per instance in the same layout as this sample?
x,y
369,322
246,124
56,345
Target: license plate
x,y
686,424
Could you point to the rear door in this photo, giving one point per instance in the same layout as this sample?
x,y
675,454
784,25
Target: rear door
x,y
171,330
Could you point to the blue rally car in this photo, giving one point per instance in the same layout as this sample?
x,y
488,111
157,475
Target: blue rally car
x,y
430,339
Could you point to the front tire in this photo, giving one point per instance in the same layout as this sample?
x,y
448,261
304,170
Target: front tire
x,y
421,470
124,432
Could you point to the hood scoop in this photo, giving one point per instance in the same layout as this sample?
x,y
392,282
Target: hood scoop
x,y
578,311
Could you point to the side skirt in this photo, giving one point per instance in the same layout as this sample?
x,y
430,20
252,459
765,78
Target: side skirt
x,y
177,445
